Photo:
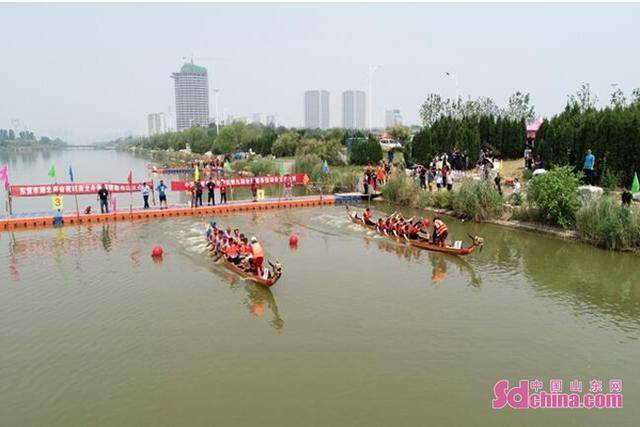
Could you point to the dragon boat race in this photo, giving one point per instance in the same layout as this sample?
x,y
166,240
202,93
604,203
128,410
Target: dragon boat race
x,y
239,215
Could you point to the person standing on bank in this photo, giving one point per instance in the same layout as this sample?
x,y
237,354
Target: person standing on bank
x,y
211,187
198,189
162,194
587,167
254,189
145,195
223,191
103,197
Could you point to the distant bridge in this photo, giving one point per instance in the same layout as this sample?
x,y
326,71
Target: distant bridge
x,y
86,147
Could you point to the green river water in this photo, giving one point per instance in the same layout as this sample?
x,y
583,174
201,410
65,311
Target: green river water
x,y
359,331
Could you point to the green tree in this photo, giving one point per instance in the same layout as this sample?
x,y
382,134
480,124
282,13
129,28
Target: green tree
x,y
519,107
555,195
399,132
366,151
584,99
286,144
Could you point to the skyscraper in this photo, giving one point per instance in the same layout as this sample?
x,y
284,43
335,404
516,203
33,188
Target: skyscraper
x,y
393,117
353,109
156,123
316,109
192,96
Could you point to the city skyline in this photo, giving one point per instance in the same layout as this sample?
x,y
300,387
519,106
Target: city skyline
x,y
157,123
393,117
317,104
354,109
103,84
191,96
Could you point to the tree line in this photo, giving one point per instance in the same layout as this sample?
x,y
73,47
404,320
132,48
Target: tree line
x,y
611,133
264,140
503,136
9,138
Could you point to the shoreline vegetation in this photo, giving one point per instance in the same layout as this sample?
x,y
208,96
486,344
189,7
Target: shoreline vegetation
x,y
460,129
25,140
602,222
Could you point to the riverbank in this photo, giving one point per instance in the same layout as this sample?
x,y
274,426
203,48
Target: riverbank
x,y
509,222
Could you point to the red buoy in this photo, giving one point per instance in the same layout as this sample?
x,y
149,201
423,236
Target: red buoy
x,y
293,240
156,251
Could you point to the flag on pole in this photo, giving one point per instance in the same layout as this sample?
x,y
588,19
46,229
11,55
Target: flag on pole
x,y
70,174
130,177
52,171
4,175
635,187
196,174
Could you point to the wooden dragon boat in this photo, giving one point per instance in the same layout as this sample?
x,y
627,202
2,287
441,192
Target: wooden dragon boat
x,y
421,243
247,274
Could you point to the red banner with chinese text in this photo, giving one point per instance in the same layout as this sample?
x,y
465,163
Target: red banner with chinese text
x,y
72,188
262,181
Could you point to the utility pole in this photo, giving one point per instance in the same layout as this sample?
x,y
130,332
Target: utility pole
x,y
372,69
215,97
455,76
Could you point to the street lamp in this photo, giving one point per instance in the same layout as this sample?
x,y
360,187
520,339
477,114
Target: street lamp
x,y
455,76
372,69
215,97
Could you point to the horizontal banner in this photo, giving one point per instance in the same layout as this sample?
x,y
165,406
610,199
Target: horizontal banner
x,y
74,188
296,179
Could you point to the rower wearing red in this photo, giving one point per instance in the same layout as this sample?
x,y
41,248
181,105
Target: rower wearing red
x,y
366,217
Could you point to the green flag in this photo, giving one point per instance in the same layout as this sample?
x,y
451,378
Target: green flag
x,y
52,171
635,187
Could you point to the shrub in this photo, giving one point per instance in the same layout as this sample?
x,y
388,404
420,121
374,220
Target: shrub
x,y
609,179
328,150
400,189
555,194
443,199
609,224
342,181
240,165
286,144
365,151
478,200
526,214
424,199
311,164
262,166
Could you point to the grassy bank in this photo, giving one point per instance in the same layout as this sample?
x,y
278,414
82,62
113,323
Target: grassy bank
x,y
475,200
603,222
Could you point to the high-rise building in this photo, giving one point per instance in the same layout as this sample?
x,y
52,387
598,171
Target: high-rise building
x,y
393,118
257,118
271,121
316,109
157,123
192,96
353,109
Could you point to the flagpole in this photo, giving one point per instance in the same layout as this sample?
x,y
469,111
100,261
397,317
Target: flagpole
x,y
130,181
75,194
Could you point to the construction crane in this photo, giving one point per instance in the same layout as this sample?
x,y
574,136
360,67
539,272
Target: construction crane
x,y
200,58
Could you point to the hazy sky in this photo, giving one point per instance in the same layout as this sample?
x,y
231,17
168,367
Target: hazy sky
x,y
91,72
